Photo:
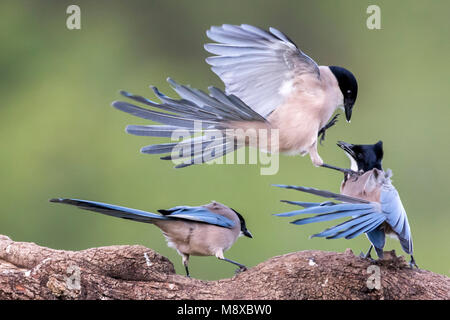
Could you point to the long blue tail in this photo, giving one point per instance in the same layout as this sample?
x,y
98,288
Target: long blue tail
x,y
112,210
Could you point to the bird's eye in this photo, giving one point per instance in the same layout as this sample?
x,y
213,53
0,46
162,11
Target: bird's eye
x,y
360,156
349,91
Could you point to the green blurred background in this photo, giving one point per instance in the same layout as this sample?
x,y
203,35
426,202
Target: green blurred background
x,y
60,137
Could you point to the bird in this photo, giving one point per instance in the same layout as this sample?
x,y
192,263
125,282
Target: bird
x,y
270,86
206,230
367,196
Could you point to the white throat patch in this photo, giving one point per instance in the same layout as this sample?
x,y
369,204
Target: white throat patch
x,y
353,164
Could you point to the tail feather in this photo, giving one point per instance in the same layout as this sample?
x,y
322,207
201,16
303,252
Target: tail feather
x,y
112,210
213,112
165,118
188,107
228,147
203,148
192,143
153,130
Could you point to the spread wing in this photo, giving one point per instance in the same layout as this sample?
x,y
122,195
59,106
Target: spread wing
x,y
257,66
366,216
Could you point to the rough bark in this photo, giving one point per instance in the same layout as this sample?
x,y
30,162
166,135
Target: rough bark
x,y
29,271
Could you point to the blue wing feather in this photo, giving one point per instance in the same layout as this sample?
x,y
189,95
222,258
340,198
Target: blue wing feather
x,y
343,226
332,216
367,216
327,209
396,217
366,227
323,193
200,214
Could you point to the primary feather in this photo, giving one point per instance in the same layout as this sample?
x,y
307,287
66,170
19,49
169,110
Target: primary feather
x,y
255,64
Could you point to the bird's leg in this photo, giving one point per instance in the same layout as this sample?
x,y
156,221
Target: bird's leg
x,y
321,133
241,268
314,155
412,263
367,255
185,263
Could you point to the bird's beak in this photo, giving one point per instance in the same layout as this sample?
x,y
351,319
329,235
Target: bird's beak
x,y
347,147
247,233
348,106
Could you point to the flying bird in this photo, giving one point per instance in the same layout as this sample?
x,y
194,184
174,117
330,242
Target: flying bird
x,y
206,230
270,85
368,197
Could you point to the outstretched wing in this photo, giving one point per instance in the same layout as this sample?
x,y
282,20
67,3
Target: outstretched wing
x,y
366,216
256,65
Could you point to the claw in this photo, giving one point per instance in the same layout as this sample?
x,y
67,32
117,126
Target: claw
x,y
321,133
367,255
240,269
412,263
352,174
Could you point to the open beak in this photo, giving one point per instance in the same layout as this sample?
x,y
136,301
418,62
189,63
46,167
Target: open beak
x,y
347,147
247,233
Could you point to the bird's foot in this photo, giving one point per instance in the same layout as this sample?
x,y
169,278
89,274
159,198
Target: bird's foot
x,y
321,133
366,256
412,263
350,174
240,269
317,161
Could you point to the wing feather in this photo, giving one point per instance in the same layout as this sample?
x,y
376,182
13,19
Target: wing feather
x,y
254,63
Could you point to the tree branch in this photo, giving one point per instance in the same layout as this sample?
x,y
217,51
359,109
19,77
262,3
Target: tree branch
x,y
29,271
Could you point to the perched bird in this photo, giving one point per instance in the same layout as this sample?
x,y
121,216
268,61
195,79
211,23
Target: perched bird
x,y
207,230
367,196
270,85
